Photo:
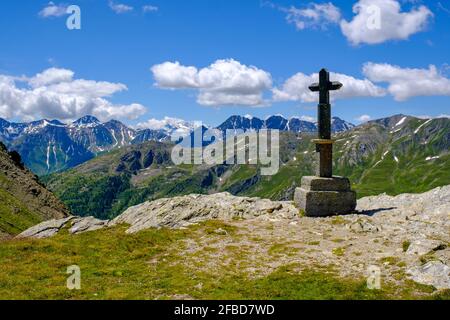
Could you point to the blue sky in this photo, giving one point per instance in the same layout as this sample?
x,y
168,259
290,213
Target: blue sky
x,y
120,44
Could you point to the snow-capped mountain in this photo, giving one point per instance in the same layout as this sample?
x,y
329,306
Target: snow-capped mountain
x,y
47,146
281,123
169,126
86,122
339,125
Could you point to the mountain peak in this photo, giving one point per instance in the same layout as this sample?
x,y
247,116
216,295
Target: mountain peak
x,y
279,122
87,121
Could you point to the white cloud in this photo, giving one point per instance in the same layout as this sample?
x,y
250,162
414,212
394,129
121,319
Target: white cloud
x,y
54,94
167,122
53,10
172,126
378,21
313,16
296,88
225,82
363,118
405,83
428,117
120,7
51,76
149,8
308,118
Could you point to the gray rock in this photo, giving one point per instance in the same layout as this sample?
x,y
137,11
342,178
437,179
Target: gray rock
x,y
81,225
221,232
50,228
434,273
182,211
45,229
423,246
363,226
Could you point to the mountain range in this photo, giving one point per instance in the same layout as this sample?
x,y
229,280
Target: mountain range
x,y
398,154
48,146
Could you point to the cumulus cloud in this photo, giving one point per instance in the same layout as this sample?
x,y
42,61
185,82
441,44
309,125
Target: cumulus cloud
x,y
296,88
363,118
405,83
164,124
308,118
313,16
53,10
55,94
51,76
225,82
120,7
378,21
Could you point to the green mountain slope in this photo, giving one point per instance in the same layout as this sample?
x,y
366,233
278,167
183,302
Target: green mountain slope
x,y
393,155
24,202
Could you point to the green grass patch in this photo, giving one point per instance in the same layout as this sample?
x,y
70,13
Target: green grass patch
x,y
153,264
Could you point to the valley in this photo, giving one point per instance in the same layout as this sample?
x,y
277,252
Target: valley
x,y
395,155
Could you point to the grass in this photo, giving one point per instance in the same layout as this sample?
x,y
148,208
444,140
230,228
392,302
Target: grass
x,y
405,245
153,265
14,216
339,251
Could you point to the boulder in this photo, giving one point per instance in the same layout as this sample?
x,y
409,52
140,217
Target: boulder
x,y
424,246
81,225
434,273
45,229
76,225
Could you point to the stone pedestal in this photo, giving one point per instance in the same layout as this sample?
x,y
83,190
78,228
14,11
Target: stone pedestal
x,y
322,197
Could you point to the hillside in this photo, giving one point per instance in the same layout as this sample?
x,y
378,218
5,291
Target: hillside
x,y
395,155
173,249
23,200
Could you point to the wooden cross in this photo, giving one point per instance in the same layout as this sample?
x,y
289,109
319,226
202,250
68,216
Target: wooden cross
x,y
324,145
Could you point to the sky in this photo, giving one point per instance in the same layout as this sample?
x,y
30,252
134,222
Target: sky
x,y
140,61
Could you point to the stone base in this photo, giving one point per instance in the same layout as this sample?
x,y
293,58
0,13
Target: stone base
x,y
322,197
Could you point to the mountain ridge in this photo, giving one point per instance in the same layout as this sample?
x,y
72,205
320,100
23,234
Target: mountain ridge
x,y
48,146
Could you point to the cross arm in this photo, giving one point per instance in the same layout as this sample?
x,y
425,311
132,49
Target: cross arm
x,y
335,85
314,87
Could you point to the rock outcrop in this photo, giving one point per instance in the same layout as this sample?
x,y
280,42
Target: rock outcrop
x,y
183,211
75,225
434,273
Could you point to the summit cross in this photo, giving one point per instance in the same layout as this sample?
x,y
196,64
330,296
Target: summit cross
x,y
324,144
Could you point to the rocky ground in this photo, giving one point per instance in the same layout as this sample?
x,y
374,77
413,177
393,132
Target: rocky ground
x,y
407,237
